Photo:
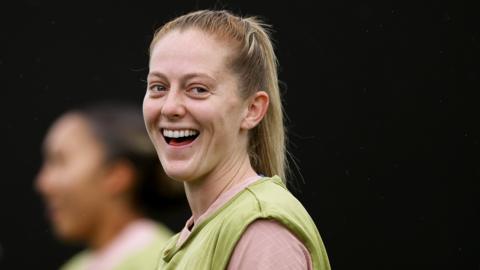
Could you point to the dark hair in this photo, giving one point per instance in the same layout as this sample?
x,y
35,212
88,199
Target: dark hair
x,y
120,128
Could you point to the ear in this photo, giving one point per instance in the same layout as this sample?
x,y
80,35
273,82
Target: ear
x,y
256,109
120,178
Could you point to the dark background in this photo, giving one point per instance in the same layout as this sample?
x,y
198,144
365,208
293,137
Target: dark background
x,y
382,105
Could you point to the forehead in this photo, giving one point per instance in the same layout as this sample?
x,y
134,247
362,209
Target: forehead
x,y
70,131
191,51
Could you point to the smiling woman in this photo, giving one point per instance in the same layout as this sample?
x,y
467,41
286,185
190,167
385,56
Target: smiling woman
x,y
214,114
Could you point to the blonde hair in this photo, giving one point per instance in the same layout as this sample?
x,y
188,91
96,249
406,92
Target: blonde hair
x,y
256,64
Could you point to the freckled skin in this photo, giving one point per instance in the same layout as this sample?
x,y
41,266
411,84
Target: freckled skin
x,y
182,63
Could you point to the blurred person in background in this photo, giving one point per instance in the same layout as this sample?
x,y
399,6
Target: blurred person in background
x,y
102,182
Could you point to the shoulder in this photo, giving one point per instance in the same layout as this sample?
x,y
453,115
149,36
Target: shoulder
x,y
162,232
268,198
146,257
271,192
266,244
77,262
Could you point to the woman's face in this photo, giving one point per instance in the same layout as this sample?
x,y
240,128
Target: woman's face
x,y
70,178
192,109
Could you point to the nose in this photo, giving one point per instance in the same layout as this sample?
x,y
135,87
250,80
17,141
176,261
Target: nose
x,y
42,183
173,106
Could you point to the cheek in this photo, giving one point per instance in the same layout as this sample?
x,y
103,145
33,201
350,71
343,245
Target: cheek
x,y
67,200
150,110
72,189
223,124
79,214
80,180
81,195
231,117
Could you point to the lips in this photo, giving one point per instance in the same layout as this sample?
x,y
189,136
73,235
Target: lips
x,y
179,137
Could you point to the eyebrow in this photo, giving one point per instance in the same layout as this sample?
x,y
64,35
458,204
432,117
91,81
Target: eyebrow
x,y
184,77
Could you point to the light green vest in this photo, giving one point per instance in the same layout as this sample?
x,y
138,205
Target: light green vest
x,y
211,242
145,258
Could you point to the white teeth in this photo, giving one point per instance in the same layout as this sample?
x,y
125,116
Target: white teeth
x,y
179,133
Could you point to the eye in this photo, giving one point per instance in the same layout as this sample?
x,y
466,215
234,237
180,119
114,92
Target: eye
x,y
198,92
157,89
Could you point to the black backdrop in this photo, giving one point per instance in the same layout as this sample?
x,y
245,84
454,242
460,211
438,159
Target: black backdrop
x,y
383,117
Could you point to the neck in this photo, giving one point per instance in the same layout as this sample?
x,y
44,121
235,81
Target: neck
x,y
112,223
201,194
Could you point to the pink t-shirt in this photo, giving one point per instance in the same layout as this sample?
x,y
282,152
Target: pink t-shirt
x,y
264,245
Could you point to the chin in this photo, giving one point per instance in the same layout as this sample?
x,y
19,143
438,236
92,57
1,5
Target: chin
x,y
67,235
181,174
176,175
68,231
178,170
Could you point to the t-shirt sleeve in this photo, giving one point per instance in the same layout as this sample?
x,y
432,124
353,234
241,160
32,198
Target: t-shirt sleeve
x,y
268,245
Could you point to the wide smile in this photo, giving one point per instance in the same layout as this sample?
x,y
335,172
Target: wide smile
x,y
179,137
